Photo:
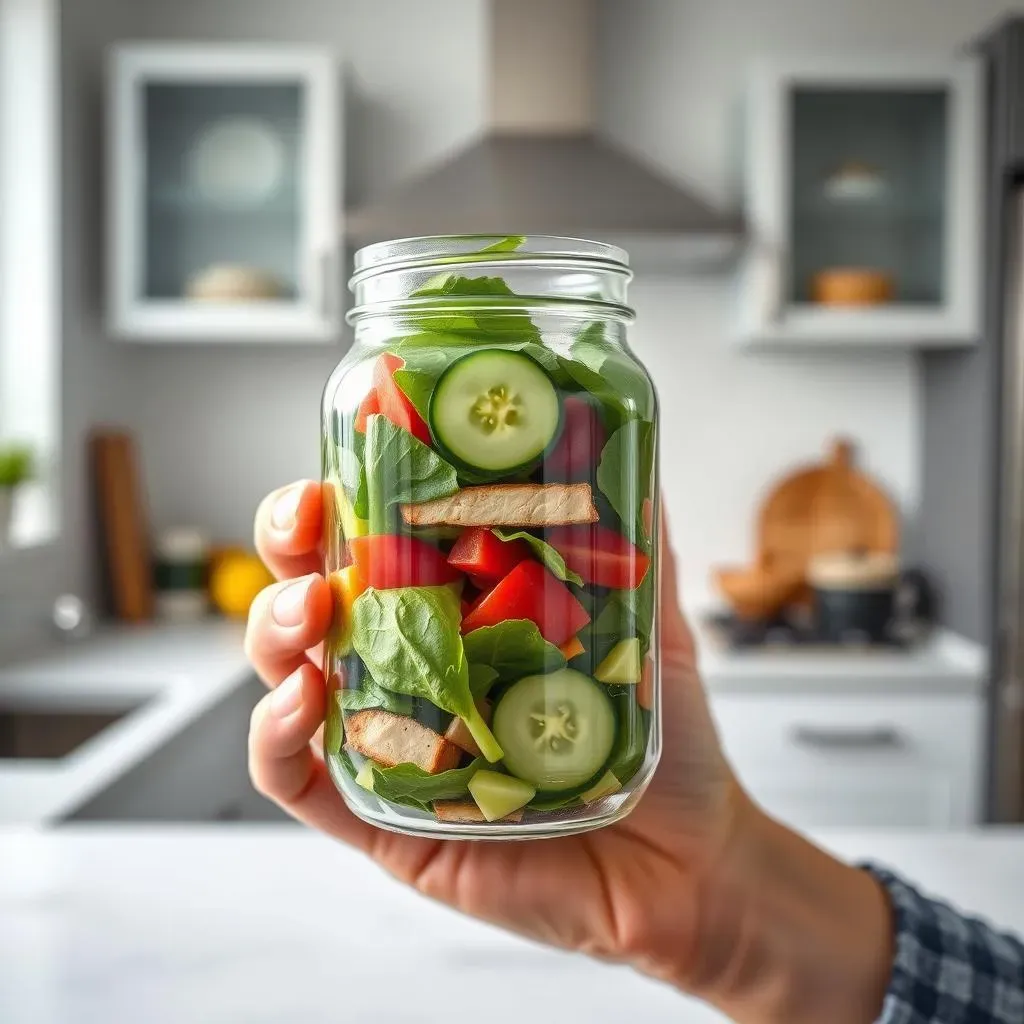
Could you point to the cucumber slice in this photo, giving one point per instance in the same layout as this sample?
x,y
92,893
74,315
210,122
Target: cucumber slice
x,y
557,730
622,665
495,410
498,795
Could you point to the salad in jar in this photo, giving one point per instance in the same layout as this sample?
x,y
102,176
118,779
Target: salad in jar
x,y
489,476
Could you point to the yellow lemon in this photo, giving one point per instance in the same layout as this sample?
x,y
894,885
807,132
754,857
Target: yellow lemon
x,y
236,577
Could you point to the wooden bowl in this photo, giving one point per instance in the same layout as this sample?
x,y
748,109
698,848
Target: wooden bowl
x,y
758,593
852,286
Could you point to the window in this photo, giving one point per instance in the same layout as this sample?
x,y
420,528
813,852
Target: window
x,y
29,275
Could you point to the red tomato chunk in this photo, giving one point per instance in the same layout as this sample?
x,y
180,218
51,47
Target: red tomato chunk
x,y
529,591
601,556
485,557
386,562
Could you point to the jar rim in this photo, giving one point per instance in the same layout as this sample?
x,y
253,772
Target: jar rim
x,y
499,254
422,251
584,309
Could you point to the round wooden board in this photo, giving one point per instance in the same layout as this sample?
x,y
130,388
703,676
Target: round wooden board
x,y
827,508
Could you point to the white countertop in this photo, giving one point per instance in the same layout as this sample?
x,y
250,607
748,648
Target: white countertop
x,y
276,924
943,663
176,672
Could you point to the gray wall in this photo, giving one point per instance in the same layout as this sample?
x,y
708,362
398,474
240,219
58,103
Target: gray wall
x,y
219,426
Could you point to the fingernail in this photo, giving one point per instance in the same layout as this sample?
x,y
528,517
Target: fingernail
x,y
289,607
286,509
285,700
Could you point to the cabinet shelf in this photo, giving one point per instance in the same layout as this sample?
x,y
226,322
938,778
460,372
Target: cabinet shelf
x,y
869,214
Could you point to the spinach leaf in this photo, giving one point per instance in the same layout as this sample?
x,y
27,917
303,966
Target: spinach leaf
x,y
475,317
418,386
513,648
401,468
345,758
334,726
624,475
353,480
555,802
544,552
607,373
509,244
409,640
481,679
626,613
631,740
450,283
411,785
430,352
370,695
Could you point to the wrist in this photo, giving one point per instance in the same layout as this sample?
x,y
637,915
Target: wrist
x,y
789,933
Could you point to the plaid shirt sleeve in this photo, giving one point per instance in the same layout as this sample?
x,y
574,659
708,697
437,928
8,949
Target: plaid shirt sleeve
x,y
949,969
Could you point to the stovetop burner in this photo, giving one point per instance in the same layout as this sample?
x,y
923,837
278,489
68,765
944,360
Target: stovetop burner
x,y
793,629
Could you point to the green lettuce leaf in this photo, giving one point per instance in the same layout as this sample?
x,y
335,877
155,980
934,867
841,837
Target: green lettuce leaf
x,y
370,695
626,613
353,481
411,785
481,679
510,244
409,640
624,476
611,376
334,726
513,648
401,468
417,386
631,740
544,552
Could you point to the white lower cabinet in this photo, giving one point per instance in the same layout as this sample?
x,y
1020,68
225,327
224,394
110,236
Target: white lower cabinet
x,y
854,761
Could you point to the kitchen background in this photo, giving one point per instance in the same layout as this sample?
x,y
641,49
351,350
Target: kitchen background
x,y
219,425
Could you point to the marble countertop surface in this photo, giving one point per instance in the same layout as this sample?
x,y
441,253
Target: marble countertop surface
x,y
169,674
277,924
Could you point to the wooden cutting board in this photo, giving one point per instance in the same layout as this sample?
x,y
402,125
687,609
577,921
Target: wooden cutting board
x,y
124,537
831,507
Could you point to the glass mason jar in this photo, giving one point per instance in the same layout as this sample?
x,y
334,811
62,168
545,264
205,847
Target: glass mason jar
x,y
490,493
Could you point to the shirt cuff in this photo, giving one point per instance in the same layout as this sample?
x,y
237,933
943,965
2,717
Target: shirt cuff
x,y
948,968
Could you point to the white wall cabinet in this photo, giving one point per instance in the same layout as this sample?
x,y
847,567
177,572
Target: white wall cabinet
x,y
853,761
224,194
868,164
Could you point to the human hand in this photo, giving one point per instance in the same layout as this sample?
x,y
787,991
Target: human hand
x,y
673,889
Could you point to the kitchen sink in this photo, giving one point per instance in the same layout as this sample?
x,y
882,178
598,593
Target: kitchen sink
x,y
36,731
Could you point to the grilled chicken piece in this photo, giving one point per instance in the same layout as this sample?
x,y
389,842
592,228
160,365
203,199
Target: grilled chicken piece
x,y
466,812
507,505
390,739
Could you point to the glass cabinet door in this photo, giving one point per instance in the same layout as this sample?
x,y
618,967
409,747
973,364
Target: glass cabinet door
x,y
224,195
868,196
864,187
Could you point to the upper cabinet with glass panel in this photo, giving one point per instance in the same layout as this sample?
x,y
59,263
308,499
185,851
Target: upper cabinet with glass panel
x,y
864,203
225,194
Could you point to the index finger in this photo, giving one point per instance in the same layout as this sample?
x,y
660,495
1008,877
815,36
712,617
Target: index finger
x,y
288,528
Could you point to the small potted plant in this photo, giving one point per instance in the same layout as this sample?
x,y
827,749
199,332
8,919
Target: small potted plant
x,y
16,467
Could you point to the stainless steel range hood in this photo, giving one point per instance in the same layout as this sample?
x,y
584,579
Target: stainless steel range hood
x,y
541,167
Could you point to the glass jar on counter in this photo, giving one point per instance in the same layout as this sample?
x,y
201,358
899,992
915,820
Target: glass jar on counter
x,y
490,491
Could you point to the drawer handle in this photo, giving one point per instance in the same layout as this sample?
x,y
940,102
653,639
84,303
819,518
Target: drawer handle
x,y
879,738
